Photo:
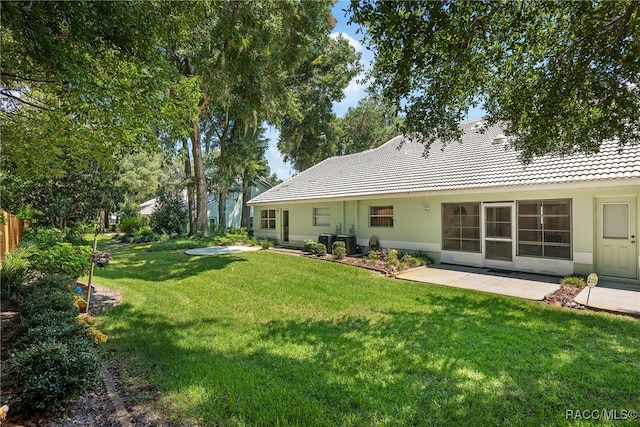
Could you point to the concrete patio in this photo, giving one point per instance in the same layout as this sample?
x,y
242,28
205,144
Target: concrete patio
x,y
610,296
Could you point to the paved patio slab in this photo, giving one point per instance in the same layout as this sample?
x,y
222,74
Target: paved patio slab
x,y
511,284
221,250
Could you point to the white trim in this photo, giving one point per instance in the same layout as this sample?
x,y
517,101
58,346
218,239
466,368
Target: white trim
x,y
583,257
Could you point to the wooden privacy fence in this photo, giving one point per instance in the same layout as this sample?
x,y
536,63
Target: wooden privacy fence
x,y
11,228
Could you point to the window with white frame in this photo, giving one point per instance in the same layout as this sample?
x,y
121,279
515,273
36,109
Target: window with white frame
x,y
544,228
268,219
321,216
380,216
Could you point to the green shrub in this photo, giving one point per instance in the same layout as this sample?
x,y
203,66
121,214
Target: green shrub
x,y
144,235
44,238
63,259
320,249
265,243
315,248
575,281
50,373
50,330
15,268
53,300
130,225
170,215
309,245
339,250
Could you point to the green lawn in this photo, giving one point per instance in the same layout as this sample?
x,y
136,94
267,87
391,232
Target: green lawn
x,y
262,338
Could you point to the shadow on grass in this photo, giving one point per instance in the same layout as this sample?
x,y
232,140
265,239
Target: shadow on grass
x,y
452,359
163,266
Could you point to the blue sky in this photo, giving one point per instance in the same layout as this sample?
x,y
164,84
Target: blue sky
x,y
352,94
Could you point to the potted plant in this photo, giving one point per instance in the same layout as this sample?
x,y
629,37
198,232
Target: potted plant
x,y
101,259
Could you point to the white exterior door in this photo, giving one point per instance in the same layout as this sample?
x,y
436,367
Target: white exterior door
x,y
499,247
617,236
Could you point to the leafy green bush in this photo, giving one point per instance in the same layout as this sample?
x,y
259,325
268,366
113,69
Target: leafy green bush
x,y
15,268
44,238
49,331
309,245
50,373
318,249
575,281
130,225
265,243
144,235
63,259
52,359
339,250
53,300
170,215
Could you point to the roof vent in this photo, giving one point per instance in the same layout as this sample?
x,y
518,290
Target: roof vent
x,y
499,139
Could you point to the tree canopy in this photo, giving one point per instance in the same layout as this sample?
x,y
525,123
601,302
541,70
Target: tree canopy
x,y
560,76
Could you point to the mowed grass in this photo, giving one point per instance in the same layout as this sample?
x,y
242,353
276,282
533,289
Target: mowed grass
x,y
262,338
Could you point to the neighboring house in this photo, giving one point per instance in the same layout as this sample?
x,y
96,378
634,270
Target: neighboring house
x,y
471,204
233,209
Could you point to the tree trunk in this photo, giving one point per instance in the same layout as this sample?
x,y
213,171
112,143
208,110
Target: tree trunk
x,y
222,211
190,193
202,221
246,196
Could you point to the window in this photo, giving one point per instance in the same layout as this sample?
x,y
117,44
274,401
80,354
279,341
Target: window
x,y
380,216
268,219
321,216
544,228
461,227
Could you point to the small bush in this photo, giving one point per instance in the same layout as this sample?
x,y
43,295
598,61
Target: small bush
x,y
170,215
63,259
339,250
574,281
45,238
130,225
55,300
315,248
320,249
49,331
15,268
265,243
50,373
309,245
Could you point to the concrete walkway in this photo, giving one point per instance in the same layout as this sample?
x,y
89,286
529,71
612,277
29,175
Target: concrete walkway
x,y
610,296
521,285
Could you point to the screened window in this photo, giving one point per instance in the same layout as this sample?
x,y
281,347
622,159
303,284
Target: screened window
x,y
381,216
544,228
268,219
321,216
461,227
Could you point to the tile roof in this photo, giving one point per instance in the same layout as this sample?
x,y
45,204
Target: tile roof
x,y
476,164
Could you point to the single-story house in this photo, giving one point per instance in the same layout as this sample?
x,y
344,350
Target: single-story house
x,y
473,203
233,207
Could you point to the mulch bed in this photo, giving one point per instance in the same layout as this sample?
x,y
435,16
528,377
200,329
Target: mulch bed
x,y
564,297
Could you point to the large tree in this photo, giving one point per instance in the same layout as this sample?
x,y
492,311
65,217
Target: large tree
x,y
82,85
368,125
241,55
561,76
86,77
311,135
